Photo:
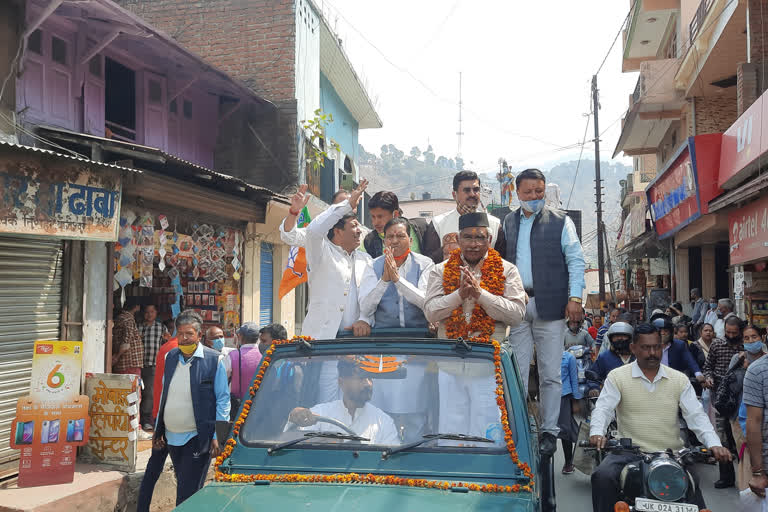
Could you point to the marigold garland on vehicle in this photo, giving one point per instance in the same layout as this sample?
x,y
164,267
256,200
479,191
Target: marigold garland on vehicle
x,y
492,281
370,478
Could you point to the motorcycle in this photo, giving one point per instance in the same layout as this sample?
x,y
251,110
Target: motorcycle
x,y
658,482
583,355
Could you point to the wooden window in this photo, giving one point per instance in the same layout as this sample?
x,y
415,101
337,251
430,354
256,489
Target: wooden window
x,y
35,42
58,50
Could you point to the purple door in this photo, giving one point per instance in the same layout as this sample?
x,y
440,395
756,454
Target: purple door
x,y
155,113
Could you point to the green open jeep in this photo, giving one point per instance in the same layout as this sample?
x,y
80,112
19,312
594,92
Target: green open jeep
x,y
391,422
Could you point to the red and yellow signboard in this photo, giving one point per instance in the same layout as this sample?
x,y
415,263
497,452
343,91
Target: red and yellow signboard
x,y
53,420
748,227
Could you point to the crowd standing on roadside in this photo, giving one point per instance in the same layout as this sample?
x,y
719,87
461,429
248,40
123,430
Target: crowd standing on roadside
x,y
707,365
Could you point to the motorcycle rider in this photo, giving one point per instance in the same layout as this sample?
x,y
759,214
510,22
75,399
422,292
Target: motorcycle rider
x,y
619,335
577,335
645,395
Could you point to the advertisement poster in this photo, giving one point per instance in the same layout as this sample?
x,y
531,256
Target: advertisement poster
x,y
53,420
114,422
47,433
56,370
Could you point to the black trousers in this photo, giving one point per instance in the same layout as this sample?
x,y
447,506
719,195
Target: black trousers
x,y
151,474
605,482
190,467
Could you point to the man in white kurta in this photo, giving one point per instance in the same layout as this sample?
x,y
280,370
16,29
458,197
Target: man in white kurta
x,y
463,382
441,235
336,269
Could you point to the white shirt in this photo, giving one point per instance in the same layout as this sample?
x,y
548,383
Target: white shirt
x,y
368,421
448,222
333,274
711,317
372,288
697,419
720,325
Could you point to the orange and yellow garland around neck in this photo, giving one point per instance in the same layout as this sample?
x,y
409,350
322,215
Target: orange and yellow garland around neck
x,y
492,281
370,478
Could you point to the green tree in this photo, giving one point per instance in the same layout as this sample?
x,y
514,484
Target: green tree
x,y
415,152
429,156
315,130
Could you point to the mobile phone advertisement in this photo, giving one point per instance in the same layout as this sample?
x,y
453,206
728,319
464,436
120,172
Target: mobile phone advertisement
x,y
53,420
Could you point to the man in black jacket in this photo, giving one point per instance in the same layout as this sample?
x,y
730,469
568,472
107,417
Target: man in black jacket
x,y
383,207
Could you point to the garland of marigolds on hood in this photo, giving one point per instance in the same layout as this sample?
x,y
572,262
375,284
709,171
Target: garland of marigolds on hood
x,y
492,281
371,478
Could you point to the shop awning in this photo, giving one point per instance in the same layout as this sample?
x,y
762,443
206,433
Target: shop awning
x,y
646,245
165,163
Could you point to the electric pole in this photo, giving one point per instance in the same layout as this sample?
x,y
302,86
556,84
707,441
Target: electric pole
x,y
598,192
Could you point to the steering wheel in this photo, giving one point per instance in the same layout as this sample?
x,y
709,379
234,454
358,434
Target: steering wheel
x,y
332,421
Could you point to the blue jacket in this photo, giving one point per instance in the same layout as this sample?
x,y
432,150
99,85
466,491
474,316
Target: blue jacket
x,y
569,375
679,357
603,365
202,375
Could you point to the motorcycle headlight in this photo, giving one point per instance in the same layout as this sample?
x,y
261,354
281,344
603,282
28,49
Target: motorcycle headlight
x,y
577,352
667,480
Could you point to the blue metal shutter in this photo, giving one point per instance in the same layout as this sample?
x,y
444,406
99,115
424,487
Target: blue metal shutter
x,y
265,290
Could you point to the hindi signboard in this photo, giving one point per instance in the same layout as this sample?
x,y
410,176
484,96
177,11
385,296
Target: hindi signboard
x,y
57,197
114,420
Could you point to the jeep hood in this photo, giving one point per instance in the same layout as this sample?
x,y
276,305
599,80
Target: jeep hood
x,y
310,497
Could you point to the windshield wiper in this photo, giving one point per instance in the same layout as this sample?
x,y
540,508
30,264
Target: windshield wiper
x,y
310,435
431,437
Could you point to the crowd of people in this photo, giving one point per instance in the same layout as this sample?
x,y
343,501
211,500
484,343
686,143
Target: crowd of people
x,y
468,274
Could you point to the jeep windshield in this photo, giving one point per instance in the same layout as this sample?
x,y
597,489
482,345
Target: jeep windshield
x,y
376,400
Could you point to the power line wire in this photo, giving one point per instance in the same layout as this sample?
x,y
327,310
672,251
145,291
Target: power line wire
x,y
626,19
578,164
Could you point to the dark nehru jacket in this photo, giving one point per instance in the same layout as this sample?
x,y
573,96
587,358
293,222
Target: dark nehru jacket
x,y
548,265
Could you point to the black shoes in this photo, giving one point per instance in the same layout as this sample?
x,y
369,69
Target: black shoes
x,y
727,476
547,444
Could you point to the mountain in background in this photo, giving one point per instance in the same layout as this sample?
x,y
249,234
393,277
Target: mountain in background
x,y
410,175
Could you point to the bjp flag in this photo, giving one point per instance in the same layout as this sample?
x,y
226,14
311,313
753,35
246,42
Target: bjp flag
x,y
295,271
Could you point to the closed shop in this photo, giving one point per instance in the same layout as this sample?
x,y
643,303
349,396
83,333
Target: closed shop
x,y
265,291
30,309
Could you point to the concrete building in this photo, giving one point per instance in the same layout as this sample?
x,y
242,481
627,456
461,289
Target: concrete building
x,y
106,124
690,55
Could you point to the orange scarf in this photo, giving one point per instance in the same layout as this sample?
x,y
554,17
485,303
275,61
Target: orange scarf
x,y
492,280
401,259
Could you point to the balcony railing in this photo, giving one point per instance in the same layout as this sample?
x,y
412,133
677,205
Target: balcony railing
x,y
698,19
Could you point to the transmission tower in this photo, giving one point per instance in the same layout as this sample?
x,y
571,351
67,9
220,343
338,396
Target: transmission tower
x,y
459,133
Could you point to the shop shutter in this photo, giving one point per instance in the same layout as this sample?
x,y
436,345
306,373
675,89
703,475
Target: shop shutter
x,y
265,291
30,309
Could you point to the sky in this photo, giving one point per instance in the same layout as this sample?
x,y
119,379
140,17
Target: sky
x,y
526,72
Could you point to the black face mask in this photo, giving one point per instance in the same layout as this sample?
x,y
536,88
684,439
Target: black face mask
x,y
733,341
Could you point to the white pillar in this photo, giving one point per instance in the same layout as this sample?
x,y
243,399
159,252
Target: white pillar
x,y
94,306
251,280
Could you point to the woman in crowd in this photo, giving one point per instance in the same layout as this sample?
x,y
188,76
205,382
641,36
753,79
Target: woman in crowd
x,y
754,349
700,351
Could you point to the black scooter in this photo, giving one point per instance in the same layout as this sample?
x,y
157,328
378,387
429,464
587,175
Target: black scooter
x,y
658,482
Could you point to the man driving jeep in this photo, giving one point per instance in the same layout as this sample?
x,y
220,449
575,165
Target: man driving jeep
x,y
354,409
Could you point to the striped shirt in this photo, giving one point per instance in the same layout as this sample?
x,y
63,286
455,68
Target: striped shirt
x,y
152,337
718,359
601,332
124,332
755,394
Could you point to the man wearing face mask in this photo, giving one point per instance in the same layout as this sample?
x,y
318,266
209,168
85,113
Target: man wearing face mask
x,y
543,244
442,233
195,396
720,354
214,338
710,317
620,334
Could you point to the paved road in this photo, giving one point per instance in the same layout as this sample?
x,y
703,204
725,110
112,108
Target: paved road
x,y
574,492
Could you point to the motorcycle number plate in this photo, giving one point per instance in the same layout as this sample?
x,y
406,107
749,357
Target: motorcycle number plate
x,y
663,506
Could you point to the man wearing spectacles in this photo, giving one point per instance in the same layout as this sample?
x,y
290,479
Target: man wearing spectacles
x,y
442,233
